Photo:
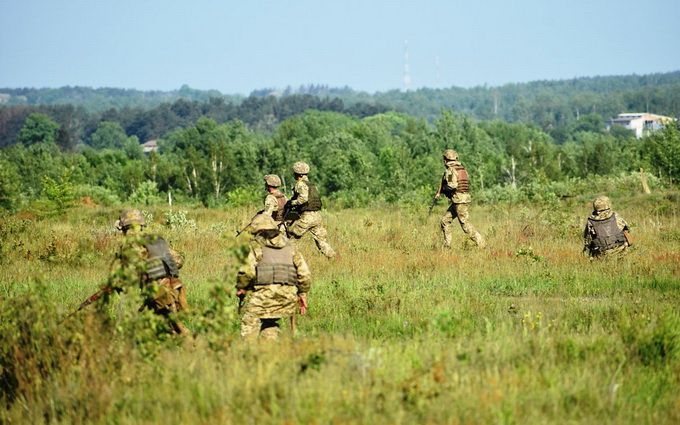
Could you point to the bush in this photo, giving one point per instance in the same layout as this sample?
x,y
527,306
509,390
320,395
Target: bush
x,y
99,194
146,194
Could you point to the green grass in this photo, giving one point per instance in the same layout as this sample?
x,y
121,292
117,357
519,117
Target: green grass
x,y
399,330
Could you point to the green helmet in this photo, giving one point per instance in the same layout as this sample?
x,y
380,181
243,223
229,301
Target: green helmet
x,y
260,223
450,155
128,218
601,203
301,168
272,180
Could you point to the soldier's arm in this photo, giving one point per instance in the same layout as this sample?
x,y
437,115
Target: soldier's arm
x,y
587,236
304,276
439,189
302,191
452,179
177,257
247,275
621,223
270,205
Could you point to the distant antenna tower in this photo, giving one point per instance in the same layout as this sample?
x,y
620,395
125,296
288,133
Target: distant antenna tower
x,y
437,65
407,70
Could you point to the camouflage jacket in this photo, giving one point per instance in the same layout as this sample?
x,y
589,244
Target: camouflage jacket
x,y
273,300
131,262
451,177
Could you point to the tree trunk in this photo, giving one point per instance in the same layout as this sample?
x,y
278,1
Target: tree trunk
x,y
643,180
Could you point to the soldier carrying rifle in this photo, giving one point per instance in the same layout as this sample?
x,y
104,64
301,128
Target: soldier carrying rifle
x,y
303,211
148,261
272,282
455,185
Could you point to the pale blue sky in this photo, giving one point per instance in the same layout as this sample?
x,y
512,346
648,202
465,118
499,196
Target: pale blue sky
x,y
236,47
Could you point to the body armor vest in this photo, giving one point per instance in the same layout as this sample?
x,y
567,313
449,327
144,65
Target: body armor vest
x,y
276,266
281,200
313,199
463,181
160,263
607,234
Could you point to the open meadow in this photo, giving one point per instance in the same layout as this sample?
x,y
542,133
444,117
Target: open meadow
x,y
399,331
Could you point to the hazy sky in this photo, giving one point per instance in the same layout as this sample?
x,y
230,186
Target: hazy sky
x,y
239,46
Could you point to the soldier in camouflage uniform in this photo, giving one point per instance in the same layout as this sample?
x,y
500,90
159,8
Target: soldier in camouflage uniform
x,y
274,280
275,201
455,185
606,233
147,260
307,203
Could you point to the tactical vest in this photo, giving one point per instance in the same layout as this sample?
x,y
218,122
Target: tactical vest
x,y
277,215
607,234
463,181
160,263
276,266
313,199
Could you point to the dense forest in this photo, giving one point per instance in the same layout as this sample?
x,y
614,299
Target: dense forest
x,y
363,149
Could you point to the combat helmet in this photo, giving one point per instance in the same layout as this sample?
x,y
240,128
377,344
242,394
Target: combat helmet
x,y
272,180
301,168
128,218
450,155
601,203
261,223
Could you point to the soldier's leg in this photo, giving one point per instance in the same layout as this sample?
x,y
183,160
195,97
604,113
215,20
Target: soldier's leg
x,y
270,329
320,236
445,224
250,326
298,228
463,213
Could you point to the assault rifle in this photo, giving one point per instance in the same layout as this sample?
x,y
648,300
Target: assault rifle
x,y
94,298
238,232
434,202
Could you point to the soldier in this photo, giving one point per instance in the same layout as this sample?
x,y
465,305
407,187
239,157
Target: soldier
x,y
275,201
148,260
274,280
307,203
606,232
455,185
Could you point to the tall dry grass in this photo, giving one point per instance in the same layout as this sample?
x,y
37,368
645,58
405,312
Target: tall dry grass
x,y
399,330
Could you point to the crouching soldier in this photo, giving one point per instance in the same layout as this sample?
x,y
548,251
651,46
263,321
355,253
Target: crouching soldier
x,y
273,281
146,260
606,233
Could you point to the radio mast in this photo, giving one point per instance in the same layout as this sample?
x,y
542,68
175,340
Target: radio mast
x,y
407,70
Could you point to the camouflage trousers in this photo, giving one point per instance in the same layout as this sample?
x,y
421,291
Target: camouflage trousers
x,y
264,307
617,252
310,221
460,211
169,299
253,327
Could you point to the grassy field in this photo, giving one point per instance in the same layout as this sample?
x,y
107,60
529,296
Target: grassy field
x,y
399,331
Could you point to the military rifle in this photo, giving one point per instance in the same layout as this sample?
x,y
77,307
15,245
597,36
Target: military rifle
x,y
94,298
238,232
434,202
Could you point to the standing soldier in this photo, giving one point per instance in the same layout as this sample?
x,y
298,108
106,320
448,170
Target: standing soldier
x,y
307,203
455,185
274,280
275,202
606,232
146,260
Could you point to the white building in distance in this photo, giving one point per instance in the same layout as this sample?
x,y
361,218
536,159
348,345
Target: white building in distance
x,y
640,123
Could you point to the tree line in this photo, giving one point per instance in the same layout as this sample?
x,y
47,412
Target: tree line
x,y
386,157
